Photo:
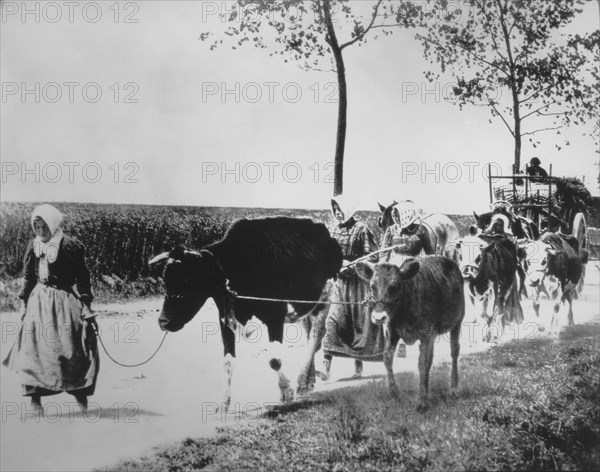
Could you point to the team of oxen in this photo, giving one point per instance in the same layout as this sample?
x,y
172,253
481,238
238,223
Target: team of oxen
x,y
504,258
281,269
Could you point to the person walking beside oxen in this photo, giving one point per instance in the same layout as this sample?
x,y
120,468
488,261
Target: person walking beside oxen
x,y
407,235
55,350
349,331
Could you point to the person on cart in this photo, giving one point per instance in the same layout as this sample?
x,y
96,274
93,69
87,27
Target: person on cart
x,y
535,170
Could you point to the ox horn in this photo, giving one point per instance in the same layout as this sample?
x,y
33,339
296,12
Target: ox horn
x,y
160,257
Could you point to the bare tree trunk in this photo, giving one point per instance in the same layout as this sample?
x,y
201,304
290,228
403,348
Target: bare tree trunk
x,y
517,115
338,176
513,88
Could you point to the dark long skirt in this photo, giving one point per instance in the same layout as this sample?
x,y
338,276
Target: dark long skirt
x,y
49,352
349,331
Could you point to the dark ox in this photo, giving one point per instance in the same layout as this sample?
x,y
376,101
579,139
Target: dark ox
x,y
281,258
417,301
556,267
498,275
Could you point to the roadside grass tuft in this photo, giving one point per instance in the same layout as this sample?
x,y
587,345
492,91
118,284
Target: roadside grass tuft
x,y
521,406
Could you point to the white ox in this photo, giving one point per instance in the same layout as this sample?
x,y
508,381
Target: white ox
x,y
553,268
467,255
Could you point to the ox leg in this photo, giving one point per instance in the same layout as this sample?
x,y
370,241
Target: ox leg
x,y
480,305
275,337
553,290
556,309
488,326
316,330
535,300
569,298
490,319
388,359
228,337
425,361
454,352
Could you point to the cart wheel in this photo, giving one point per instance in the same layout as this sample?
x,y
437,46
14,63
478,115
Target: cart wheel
x,y
580,230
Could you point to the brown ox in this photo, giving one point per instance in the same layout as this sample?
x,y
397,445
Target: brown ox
x,y
417,301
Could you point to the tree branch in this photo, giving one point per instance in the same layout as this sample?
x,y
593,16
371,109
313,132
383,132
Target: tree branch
x,y
541,129
361,36
492,34
554,114
541,108
394,25
499,113
537,92
484,61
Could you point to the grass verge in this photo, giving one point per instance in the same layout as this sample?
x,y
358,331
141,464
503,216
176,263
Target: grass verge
x,y
528,405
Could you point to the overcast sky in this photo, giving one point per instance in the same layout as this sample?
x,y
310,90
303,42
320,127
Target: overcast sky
x,y
179,124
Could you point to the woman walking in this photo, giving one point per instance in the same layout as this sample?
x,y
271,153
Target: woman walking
x,y
55,350
349,330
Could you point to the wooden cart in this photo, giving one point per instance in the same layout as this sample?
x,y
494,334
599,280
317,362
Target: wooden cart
x,y
536,198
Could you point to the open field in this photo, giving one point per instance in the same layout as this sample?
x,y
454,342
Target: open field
x,y
521,405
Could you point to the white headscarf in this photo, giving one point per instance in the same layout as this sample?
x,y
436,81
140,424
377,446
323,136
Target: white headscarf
x,y
52,217
407,213
348,206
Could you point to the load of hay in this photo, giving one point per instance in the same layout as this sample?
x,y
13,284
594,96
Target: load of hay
x,y
566,196
571,197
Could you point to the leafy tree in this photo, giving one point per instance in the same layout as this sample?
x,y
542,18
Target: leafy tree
x,y
314,34
516,45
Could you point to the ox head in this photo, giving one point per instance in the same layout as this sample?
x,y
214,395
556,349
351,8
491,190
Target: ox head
x,y
385,281
190,279
537,254
482,221
498,221
386,219
468,255
501,220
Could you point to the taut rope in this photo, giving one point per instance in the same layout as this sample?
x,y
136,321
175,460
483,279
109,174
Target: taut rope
x,y
367,301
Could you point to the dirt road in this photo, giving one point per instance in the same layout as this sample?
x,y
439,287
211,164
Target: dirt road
x,y
176,394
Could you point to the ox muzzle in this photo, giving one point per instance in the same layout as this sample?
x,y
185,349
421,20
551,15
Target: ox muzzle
x,y
176,313
379,317
469,271
535,278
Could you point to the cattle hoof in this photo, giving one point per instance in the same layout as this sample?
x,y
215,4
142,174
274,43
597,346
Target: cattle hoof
x,y
304,386
357,375
422,406
304,391
287,395
401,351
454,392
324,376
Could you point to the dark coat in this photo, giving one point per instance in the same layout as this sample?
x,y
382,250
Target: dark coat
x,y
66,271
